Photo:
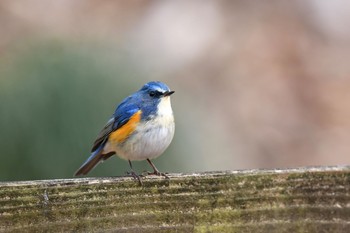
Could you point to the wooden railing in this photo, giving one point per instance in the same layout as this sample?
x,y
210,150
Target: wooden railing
x,y
315,199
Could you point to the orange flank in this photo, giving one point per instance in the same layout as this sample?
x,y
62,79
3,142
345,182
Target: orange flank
x,y
123,132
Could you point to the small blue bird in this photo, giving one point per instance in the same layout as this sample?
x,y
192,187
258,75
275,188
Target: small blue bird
x,y
141,128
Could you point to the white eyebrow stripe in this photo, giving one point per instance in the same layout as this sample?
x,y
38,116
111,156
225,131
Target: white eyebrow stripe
x,y
160,90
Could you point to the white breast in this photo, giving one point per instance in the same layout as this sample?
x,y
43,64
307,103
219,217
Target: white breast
x,y
151,138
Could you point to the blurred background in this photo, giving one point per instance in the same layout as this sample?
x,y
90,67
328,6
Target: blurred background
x,y
257,85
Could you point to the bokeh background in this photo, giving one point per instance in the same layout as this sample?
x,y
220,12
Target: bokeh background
x,y
258,84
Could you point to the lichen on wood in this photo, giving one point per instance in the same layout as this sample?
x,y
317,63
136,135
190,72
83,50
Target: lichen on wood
x,y
290,200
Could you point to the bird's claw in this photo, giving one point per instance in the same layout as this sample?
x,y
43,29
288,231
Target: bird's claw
x,y
158,173
135,176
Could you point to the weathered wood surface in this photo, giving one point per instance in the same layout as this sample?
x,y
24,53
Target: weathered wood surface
x,y
293,200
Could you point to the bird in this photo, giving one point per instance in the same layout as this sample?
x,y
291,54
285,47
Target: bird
x,y
141,128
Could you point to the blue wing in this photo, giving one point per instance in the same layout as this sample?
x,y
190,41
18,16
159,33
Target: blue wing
x,y
121,116
124,111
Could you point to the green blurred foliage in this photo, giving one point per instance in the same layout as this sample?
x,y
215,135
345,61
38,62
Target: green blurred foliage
x,y
54,99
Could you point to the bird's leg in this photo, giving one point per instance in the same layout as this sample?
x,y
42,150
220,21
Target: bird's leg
x,y
133,174
155,170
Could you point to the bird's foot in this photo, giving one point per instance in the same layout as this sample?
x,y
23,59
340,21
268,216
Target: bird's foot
x,y
135,176
158,173
155,171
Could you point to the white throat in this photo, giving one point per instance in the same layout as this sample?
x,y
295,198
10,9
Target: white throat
x,y
164,107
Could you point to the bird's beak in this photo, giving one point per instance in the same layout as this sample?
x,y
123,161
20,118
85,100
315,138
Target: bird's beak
x,y
168,93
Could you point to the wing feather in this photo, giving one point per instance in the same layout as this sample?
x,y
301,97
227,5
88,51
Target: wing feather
x,y
107,129
120,117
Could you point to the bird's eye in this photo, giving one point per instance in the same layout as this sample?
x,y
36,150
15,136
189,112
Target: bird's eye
x,y
152,93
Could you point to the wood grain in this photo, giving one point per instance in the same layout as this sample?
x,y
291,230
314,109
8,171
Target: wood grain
x,y
315,199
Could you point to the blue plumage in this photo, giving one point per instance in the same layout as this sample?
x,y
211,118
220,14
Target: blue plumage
x,y
123,114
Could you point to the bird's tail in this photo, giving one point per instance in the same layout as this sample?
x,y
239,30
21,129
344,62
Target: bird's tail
x,y
91,162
